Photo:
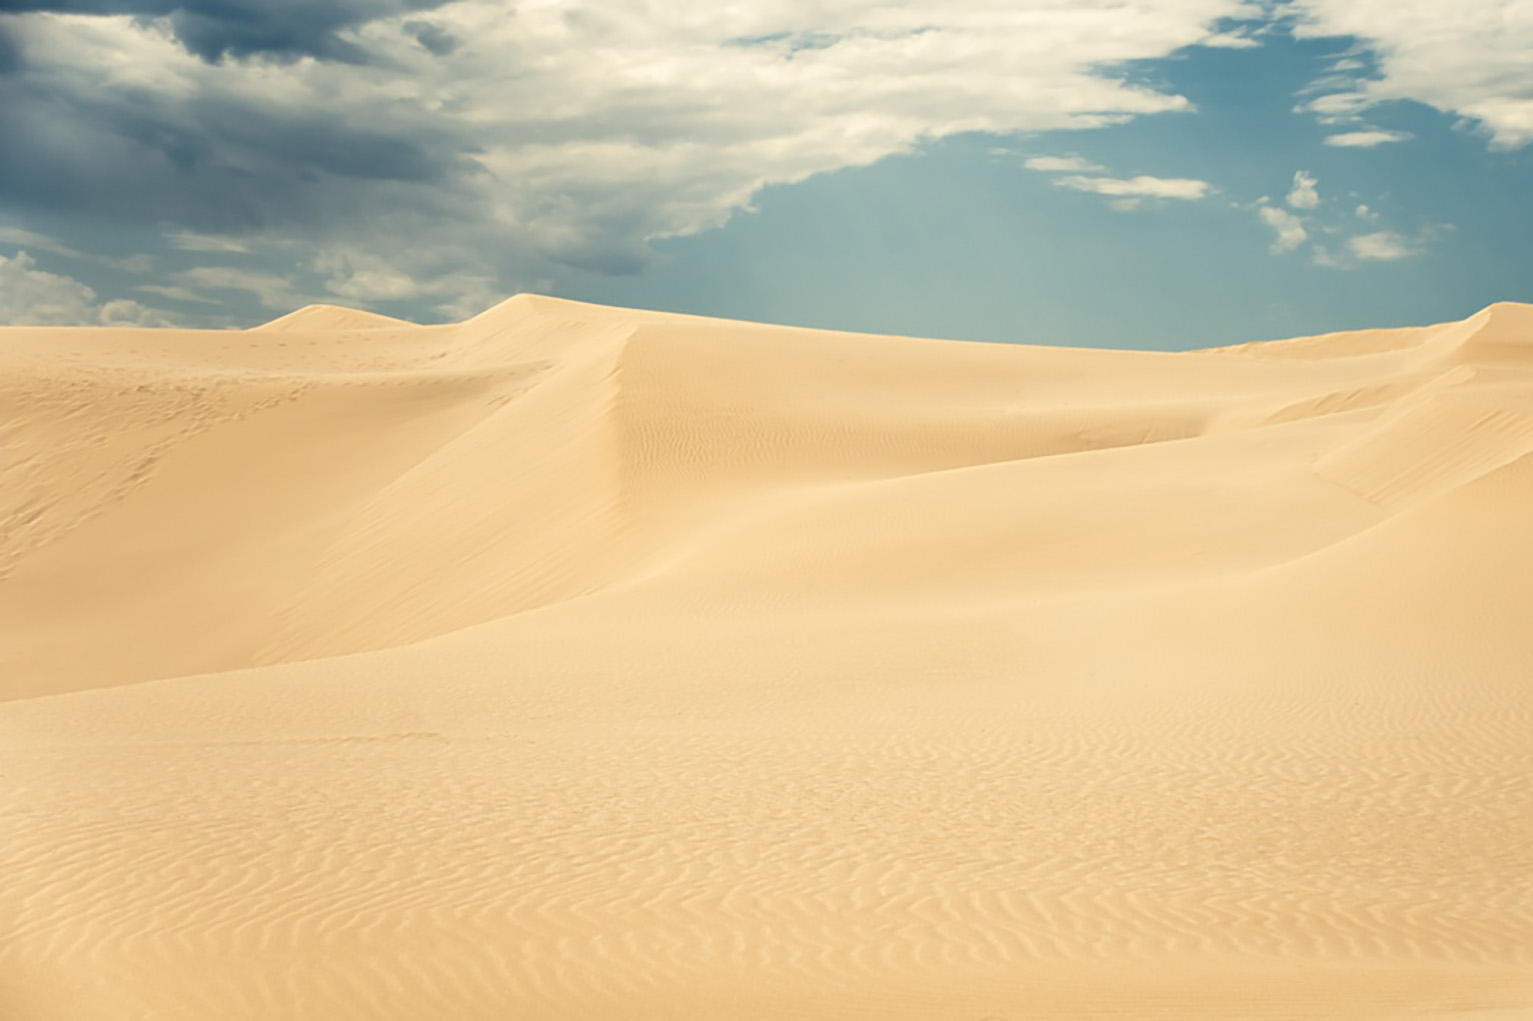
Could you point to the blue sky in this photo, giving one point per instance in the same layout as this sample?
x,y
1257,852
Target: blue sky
x,y
1162,173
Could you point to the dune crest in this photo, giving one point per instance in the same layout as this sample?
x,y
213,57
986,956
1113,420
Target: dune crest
x,y
331,317
583,662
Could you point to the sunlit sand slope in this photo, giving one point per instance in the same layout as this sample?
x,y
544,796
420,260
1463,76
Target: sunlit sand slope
x,y
583,663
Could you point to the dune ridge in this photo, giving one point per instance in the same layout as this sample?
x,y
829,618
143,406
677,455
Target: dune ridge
x,y
584,662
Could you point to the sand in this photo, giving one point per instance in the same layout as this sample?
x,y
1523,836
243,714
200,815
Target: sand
x,y
583,663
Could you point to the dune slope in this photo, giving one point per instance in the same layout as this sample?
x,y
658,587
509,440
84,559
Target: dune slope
x,y
574,662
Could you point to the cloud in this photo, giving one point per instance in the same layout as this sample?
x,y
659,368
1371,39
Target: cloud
x,y
33,297
1467,60
21,238
1289,228
1236,40
1367,139
366,277
1303,195
1127,194
1306,218
476,138
1383,246
274,292
1062,165
1334,108
1379,246
216,29
10,51
189,241
176,294
1139,187
433,37
121,124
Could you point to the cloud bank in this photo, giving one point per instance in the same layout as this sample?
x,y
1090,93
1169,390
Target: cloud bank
x,y
1466,59
445,153
500,139
32,297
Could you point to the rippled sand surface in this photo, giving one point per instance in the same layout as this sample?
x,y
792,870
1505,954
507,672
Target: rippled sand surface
x,y
580,663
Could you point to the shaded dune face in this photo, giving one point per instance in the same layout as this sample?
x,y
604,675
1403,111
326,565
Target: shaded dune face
x,y
584,662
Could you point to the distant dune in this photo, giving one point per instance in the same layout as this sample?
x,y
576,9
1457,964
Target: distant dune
x,y
582,663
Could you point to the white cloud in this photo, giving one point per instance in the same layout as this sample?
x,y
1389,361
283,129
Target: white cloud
x,y
33,297
1468,59
1380,246
365,276
136,264
1333,108
22,238
472,294
1288,227
1126,193
1303,195
1367,139
127,312
1139,187
190,241
1230,41
578,131
274,292
1383,246
176,293
1328,230
1063,165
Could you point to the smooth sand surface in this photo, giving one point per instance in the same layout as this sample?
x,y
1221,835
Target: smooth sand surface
x,y
580,663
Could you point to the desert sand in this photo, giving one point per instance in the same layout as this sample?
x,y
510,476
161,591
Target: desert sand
x,y
584,663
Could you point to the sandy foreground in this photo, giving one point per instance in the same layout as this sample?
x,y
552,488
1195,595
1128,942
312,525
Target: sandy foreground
x,y
580,663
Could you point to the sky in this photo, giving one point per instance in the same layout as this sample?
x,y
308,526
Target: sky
x,y
1163,174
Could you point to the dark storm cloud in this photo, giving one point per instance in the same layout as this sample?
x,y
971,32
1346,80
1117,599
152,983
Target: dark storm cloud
x,y
433,37
212,162
215,29
10,52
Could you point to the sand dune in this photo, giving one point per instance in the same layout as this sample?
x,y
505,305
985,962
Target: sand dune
x,y
573,662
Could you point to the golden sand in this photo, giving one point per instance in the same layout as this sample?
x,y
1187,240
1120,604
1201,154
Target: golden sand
x,y
581,663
